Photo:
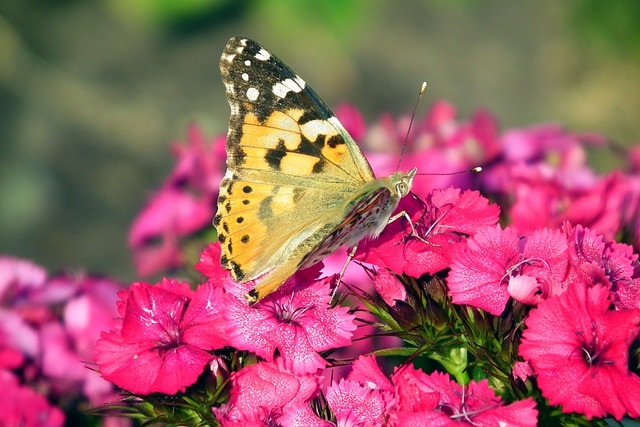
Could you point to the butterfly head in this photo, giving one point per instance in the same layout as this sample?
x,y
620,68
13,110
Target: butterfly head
x,y
403,182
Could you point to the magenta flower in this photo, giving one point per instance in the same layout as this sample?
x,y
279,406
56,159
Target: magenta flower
x,y
209,264
491,267
545,173
267,394
389,287
363,397
440,225
21,406
356,405
435,400
160,344
592,260
438,142
352,120
297,320
181,207
155,234
18,279
579,350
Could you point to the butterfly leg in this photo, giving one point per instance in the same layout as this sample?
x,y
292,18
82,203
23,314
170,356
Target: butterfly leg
x,y
352,253
405,215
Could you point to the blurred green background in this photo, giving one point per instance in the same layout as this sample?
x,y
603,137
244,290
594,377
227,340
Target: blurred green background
x,y
93,92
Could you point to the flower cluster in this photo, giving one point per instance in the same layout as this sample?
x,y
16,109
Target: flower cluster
x,y
505,298
528,302
48,329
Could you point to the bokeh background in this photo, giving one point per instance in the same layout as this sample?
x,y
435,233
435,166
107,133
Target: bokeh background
x,y
92,93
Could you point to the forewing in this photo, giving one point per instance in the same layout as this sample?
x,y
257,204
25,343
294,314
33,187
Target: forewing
x,y
290,163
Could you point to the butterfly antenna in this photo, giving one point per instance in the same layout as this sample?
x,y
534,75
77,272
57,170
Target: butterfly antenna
x,y
472,170
423,89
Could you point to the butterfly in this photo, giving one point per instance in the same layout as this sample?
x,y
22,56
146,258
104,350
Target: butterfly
x,y
297,187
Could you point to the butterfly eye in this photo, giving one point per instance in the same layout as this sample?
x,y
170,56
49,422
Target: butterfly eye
x,y
402,188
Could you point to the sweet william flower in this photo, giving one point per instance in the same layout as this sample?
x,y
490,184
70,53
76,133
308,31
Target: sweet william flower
x,y
490,267
435,400
183,205
363,397
439,225
160,344
389,287
22,406
593,260
354,404
296,320
437,142
268,394
579,351
209,264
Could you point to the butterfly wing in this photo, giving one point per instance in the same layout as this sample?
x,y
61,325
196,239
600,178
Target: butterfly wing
x,y
291,167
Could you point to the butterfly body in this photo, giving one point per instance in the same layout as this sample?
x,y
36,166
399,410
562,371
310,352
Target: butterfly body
x,y
297,186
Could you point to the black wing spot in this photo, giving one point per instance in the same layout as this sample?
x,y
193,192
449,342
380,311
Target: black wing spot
x,y
240,219
246,201
225,227
247,189
228,207
216,220
245,239
319,166
334,141
237,271
274,156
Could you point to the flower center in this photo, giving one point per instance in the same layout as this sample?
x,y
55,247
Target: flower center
x,y
287,312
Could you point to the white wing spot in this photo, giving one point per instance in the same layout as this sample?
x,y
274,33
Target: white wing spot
x,y
247,62
300,82
252,93
245,77
281,89
336,123
229,57
263,55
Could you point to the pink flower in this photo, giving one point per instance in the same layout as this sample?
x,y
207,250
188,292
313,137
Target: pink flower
x,y
21,406
354,404
155,233
592,260
435,400
209,264
18,340
363,397
389,287
18,278
440,225
266,394
297,320
579,350
522,371
491,259
542,268
352,120
437,143
184,205
365,370
165,332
